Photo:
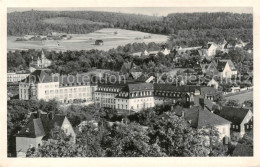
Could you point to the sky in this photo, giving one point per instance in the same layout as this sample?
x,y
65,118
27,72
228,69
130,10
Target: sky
x,y
158,11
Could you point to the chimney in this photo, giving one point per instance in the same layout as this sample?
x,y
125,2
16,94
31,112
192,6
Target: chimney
x,y
182,114
39,114
51,115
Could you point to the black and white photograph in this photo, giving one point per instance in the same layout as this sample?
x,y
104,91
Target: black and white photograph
x,y
128,82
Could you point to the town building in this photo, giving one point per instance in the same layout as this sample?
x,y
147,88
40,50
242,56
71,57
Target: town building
x,y
39,62
16,77
226,69
213,83
42,84
209,50
189,94
41,127
241,119
126,96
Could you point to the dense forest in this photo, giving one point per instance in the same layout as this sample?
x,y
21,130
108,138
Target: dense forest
x,y
183,27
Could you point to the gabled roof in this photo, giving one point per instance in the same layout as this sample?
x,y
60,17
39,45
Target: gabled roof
x,y
230,63
33,129
135,75
198,117
41,126
233,114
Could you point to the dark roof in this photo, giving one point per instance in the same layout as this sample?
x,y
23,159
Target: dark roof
x,y
170,87
42,126
233,114
231,64
200,117
33,129
40,76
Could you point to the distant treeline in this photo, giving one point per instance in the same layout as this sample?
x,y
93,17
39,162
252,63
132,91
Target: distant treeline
x,y
21,23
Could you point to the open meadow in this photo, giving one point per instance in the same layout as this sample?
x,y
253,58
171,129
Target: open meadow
x,y
87,41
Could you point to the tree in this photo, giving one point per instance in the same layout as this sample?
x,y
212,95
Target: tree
x,y
176,138
130,141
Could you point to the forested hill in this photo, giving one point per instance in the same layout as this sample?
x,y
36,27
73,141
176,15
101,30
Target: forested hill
x,y
21,23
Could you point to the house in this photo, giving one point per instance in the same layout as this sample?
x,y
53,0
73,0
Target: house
x,y
39,62
99,42
213,83
199,117
40,128
241,119
226,69
209,50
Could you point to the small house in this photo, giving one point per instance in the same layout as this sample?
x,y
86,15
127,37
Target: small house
x,y
99,42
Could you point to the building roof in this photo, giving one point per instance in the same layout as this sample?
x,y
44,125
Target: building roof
x,y
41,126
170,87
233,114
199,117
231,64
40,76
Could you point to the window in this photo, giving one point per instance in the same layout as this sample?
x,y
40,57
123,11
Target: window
x,y
237,127
224,130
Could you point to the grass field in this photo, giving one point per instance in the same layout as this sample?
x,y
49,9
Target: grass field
x,y
241,97
86,41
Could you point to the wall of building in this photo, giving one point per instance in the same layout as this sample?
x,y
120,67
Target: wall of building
x,y
68,129
136,104
66,94
224,130
23,143
24,91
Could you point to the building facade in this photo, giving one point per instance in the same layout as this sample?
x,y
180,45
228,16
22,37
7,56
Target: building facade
x,y
46,86
16,77
129,96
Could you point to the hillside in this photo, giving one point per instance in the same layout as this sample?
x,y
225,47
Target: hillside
x,y
188,29
68,20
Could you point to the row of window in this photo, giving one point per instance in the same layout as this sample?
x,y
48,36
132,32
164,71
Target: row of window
x,y
135,94
108,89
69,95
71,90
167,94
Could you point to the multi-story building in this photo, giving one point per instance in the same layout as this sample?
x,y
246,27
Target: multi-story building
x,y
16,77
41,84
171,94
128,96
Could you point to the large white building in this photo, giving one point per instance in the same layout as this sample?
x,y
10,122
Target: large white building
x,y
41,84
129,96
